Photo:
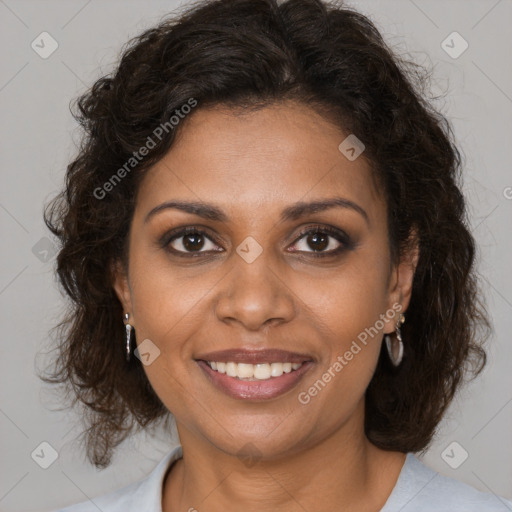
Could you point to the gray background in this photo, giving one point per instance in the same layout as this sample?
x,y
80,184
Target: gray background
x,y
37,140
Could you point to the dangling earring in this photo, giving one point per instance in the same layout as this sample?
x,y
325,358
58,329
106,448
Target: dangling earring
x,y
396,355
129,330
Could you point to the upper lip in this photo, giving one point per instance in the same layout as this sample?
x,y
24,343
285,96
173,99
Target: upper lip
x,y
237,355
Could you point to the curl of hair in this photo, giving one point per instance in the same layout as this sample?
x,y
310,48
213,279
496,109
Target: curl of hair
x,y
247,54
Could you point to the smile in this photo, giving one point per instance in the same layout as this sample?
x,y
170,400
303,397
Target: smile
x,y
251,372
260,381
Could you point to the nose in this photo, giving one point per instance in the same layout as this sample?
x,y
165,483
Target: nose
x,y
255,294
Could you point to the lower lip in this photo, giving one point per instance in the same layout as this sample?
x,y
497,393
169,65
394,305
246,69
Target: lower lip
x,y
254,389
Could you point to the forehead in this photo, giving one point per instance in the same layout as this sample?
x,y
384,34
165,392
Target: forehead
x,y
258,161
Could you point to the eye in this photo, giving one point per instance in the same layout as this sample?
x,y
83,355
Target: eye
x,y
190,240
323,240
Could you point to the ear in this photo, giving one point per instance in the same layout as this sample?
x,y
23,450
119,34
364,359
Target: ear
x,y
121,285
401,280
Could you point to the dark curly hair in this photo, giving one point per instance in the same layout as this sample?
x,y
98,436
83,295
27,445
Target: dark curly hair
x,y
248,54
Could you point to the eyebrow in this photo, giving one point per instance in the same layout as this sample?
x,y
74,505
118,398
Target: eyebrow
x,y
293,212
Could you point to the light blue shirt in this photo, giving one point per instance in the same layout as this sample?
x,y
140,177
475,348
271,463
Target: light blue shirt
x,y
418,489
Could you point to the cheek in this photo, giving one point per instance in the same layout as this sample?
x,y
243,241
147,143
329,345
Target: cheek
x,y
170,304
168,309
346,308
348,299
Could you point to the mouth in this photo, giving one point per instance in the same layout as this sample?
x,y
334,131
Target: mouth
x,y
262,379
253,372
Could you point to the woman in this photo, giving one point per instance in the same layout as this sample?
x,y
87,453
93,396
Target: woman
x,y
264,236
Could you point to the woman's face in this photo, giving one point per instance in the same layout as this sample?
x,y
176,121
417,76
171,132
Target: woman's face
x,y
252,280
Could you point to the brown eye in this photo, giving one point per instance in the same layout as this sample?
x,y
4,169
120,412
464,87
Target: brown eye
x,y
322,241
193,241
318,241
190,240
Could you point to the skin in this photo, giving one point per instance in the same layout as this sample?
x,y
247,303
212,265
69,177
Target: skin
x,y
312,457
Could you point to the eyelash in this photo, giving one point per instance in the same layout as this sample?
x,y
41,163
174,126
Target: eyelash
x,y
339,235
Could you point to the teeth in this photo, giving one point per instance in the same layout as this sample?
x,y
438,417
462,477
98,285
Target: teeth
x,y
260,371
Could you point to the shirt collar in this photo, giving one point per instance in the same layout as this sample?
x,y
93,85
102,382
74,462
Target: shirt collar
x,y
148,494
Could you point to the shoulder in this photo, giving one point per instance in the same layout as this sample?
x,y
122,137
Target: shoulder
x,y
115,501
145,494
421,489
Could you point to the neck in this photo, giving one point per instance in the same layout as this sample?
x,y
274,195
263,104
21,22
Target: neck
x,y
343,472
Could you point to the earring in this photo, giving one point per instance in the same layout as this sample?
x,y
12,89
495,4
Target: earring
x,y
396,349
129,330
